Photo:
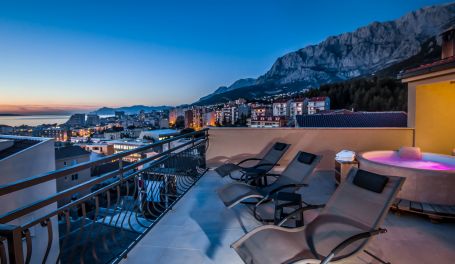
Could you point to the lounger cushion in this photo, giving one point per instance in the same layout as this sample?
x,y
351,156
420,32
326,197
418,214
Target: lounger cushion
x,y
306,157
370,181
279,146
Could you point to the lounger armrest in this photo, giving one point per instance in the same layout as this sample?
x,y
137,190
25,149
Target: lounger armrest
x,y
263,200
260,229
351,240
272,192
266,164
273,175
249,159
248,177
297,211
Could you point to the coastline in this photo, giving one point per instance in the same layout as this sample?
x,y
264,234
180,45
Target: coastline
x,y
32,120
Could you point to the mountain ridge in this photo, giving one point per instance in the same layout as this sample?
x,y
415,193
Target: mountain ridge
x,y
134,109
367,50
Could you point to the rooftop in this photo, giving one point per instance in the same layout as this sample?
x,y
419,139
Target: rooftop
x,y
318,99
187,222
439,65
355,119
69,151
200,229
18,144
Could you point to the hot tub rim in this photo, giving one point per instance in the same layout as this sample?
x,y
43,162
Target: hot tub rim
x,y
360,157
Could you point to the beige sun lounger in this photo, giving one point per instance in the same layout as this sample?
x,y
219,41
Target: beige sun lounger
x,y
263,165
291,179
342,230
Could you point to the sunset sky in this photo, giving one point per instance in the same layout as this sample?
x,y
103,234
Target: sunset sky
x,y
61,57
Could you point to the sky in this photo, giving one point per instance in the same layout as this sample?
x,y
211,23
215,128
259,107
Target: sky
x,y
69,56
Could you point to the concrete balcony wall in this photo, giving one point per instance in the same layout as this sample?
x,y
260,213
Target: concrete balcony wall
x,y
236,144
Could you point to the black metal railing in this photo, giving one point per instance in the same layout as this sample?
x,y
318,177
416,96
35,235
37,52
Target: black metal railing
x,y
120,208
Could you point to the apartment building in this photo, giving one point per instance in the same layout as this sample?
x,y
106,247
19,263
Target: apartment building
x,y
317,104
298,106
92,120
99,148
210,118
71,156
261,111
22,158
281,107
267,122
76,120
57,133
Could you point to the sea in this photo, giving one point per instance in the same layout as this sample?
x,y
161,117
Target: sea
x,y
33,120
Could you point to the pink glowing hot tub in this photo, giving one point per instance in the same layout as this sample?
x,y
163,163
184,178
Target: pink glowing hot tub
x,y
429,179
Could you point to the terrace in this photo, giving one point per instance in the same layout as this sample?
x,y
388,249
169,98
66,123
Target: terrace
x,y
164,209
200,229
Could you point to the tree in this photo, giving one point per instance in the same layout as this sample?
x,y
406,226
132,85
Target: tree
x,y
365,94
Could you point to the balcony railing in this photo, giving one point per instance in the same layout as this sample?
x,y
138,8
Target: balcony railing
x,y
120,208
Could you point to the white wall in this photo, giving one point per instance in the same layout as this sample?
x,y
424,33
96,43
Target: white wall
x,y
32,161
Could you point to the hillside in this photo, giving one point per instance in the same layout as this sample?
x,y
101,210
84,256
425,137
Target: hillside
x,y
130,109
381,48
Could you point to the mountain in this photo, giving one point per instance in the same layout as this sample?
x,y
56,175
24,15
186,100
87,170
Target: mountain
x,y
364,51
130,109
430,51
236,85
368,50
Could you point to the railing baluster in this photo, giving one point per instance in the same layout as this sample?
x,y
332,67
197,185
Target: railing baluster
x,y
84,219
113,214
13,235
47,223
126,201
95,218
28,243
3,258
133,204
100,230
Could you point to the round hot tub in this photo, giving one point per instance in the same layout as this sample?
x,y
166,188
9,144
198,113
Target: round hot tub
x,y
430,179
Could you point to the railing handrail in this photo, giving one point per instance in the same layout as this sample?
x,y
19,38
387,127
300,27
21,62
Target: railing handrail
x,y
19,212
44,177
133,197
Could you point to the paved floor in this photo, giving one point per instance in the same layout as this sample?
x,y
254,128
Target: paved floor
x,y
200,230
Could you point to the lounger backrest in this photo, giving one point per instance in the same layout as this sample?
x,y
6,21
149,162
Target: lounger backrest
x,y
275,153
298,170
359,204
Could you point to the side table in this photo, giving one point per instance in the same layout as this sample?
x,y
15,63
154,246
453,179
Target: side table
x,y
286,203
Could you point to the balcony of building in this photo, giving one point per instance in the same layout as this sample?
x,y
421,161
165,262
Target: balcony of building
x,y
200,229
166,210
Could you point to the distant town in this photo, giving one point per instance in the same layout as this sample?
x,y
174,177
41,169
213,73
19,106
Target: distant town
x,y
124,131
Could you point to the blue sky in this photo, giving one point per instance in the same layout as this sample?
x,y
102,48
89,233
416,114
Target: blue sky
x,y
86,54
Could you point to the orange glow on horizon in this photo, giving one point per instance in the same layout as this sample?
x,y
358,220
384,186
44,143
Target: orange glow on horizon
x,y
45,109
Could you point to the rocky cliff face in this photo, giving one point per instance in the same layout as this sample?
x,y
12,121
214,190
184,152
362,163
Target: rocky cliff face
x,y
365,51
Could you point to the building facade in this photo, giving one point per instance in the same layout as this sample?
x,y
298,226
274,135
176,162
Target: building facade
x,y
70,156
22,158
268,122
93,120
318,104
260,111
76,120
281,107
